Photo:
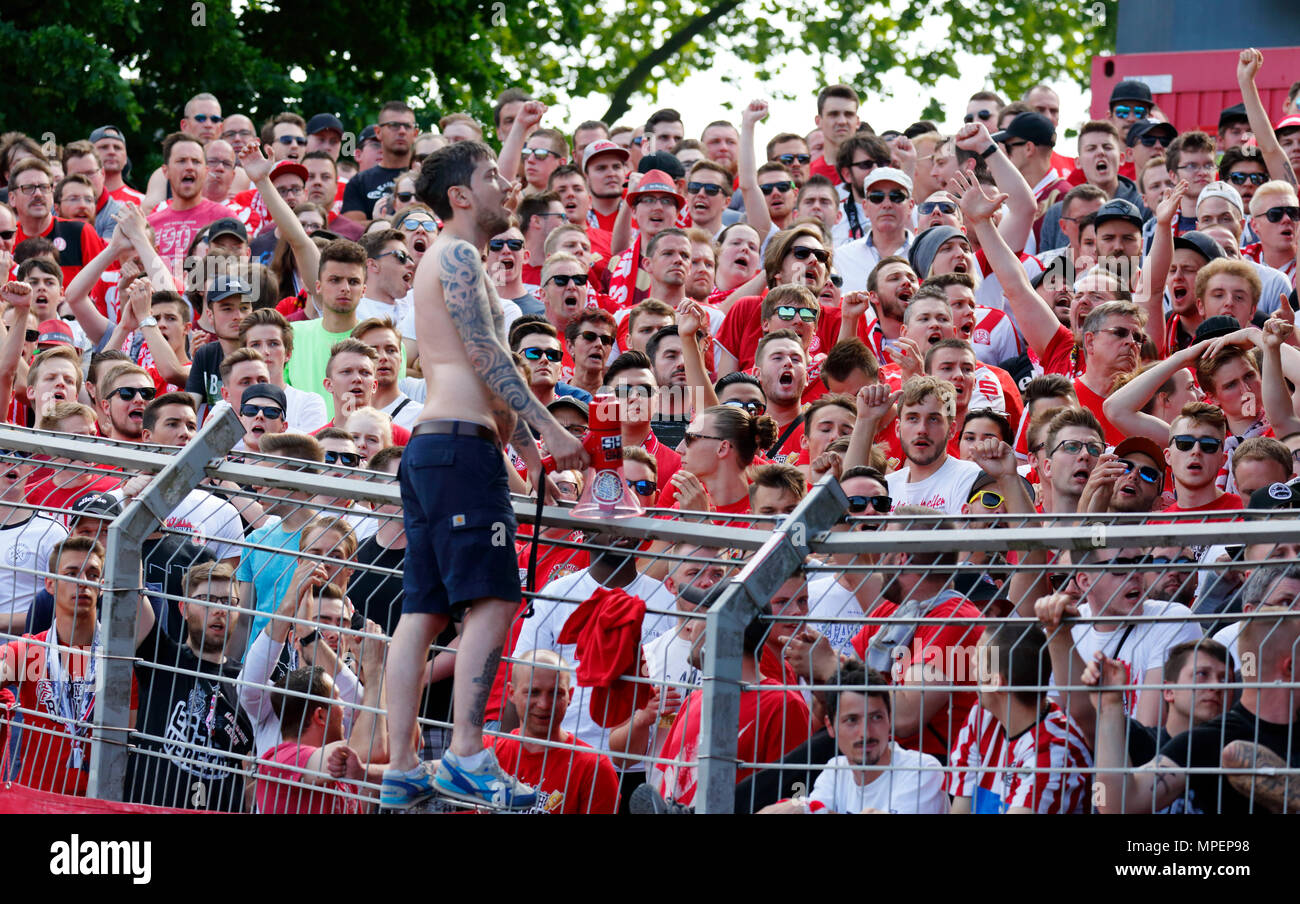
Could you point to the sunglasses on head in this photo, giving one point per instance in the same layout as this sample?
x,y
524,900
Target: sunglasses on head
x,y
602,338
987,498
554,355
708,188
1209,444
127,393
881,505
415,223
947,208
752,407
770,187
272,412
984,115
643,487
1276,214
562,280
1243,178
787,313
346,459
512,244
1134,111
788,159
1150,141
206,117
898,196
802,253
292,139
1146,472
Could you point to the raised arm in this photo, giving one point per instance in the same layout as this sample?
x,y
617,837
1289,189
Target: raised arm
x,y
77,295
16,295
690,320
875,408
1155,270
306,256
620,238
1022,209
1123,407
512,146
1067,666
136,229
139,297
1279,167
1038,323
756,214
1278,404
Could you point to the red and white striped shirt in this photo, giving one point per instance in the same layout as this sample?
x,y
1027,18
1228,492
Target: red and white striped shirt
x,y
1053,743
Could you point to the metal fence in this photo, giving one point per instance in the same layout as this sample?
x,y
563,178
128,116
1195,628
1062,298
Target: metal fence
x,y
738,698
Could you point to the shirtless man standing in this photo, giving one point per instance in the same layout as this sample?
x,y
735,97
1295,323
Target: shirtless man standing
x,y
455,497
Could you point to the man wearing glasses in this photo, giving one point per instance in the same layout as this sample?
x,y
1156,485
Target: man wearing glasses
x,y
708,191
791,151
390,270
1073,446
1130,100
1196,454
887,204
397,131
1275,217
123,394
632,380
858,158
1190,159
31,192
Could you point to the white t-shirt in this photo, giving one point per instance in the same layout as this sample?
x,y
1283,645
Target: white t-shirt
x,y
1228,637
904,788
305,412
373,307
667,660
947,489
406,408
25,546
213,522
828,598
542,632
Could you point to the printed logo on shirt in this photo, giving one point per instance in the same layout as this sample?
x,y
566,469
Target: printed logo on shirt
x,y
18,554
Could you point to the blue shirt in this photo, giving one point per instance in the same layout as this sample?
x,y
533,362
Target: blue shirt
x,y
270,573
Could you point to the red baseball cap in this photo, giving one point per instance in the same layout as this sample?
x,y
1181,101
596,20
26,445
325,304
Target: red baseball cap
x,y
1287,122
656,182
604,146
290,166
54,332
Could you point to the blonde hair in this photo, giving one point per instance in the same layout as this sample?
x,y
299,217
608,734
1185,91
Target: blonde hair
x,y
381,418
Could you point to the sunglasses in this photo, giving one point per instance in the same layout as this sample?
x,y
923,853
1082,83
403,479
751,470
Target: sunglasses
x,y
947,208
127,393
538,153
708,188
292,139
512,244
1146,472
866,165
554,355
1123,333
878,197
14,453
987,498
1130,111
204,117
692,437
347,459
398,255
1165,560
395,124
788,159
643,487
561,280
633,391
1075,446
8,234
32,335
803,252
1120,562
837,281
271,412
881,505
405,197
1012,145
415,223
787,313
1243,178
1150,141
602,338
1184,443
984,115
770,187
752,407
1277,214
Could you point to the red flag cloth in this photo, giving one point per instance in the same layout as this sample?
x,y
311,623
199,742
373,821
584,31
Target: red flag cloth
x,y
606,630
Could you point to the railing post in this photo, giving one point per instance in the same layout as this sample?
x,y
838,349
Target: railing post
x,y
126,534
748,595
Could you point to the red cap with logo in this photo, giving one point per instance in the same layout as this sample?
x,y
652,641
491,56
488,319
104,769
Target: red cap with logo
x,y
656,182
54,332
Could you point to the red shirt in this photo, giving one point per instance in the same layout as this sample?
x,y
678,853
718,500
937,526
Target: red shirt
x,y
1093,402
1225,503
76,242
1060,356
285,761
743,327
819,167
127,195
792,448
44,491
567,781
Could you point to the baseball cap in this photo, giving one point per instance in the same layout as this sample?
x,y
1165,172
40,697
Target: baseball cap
x,y
1149,127
1201,243
887,174
1275,496
324,122
54,332
662,160
1030,126
565,401
1131,89
225,285
1118,209
265,391
369,133
1226,192
1235,113
604,146
104,505
1147,447
656,181
1286,123
227,226
293,167
107,132
1214,327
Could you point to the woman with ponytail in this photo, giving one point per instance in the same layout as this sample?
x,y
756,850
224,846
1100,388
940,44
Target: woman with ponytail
x,y
721,443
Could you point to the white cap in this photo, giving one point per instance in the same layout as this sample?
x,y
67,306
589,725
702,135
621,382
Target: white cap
x,y
1225,191
887,174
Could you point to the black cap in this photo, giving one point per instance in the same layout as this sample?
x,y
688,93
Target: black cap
x,y
1214,327
1201,243
977,588
567,401
1131,89
265,391
227,226
1235,113
1149,127
1118,209
1030,126
324,122
104,505
1275,496
225,285
664,161
369,133
107,132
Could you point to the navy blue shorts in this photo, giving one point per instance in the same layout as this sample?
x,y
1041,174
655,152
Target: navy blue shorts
x,y
460,527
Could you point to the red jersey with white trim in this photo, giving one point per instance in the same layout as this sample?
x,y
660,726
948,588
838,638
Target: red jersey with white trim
x,y
567,781
76,243
127,195
792,448
1053,744
104,295
743,327
250,210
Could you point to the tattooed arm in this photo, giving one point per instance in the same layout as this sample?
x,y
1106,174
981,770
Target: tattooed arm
x,y
1273,792
466,294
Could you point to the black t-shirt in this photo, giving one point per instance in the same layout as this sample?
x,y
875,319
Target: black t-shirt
x,y
670,432
178,709
205,380
1203,746
166,559
368,186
